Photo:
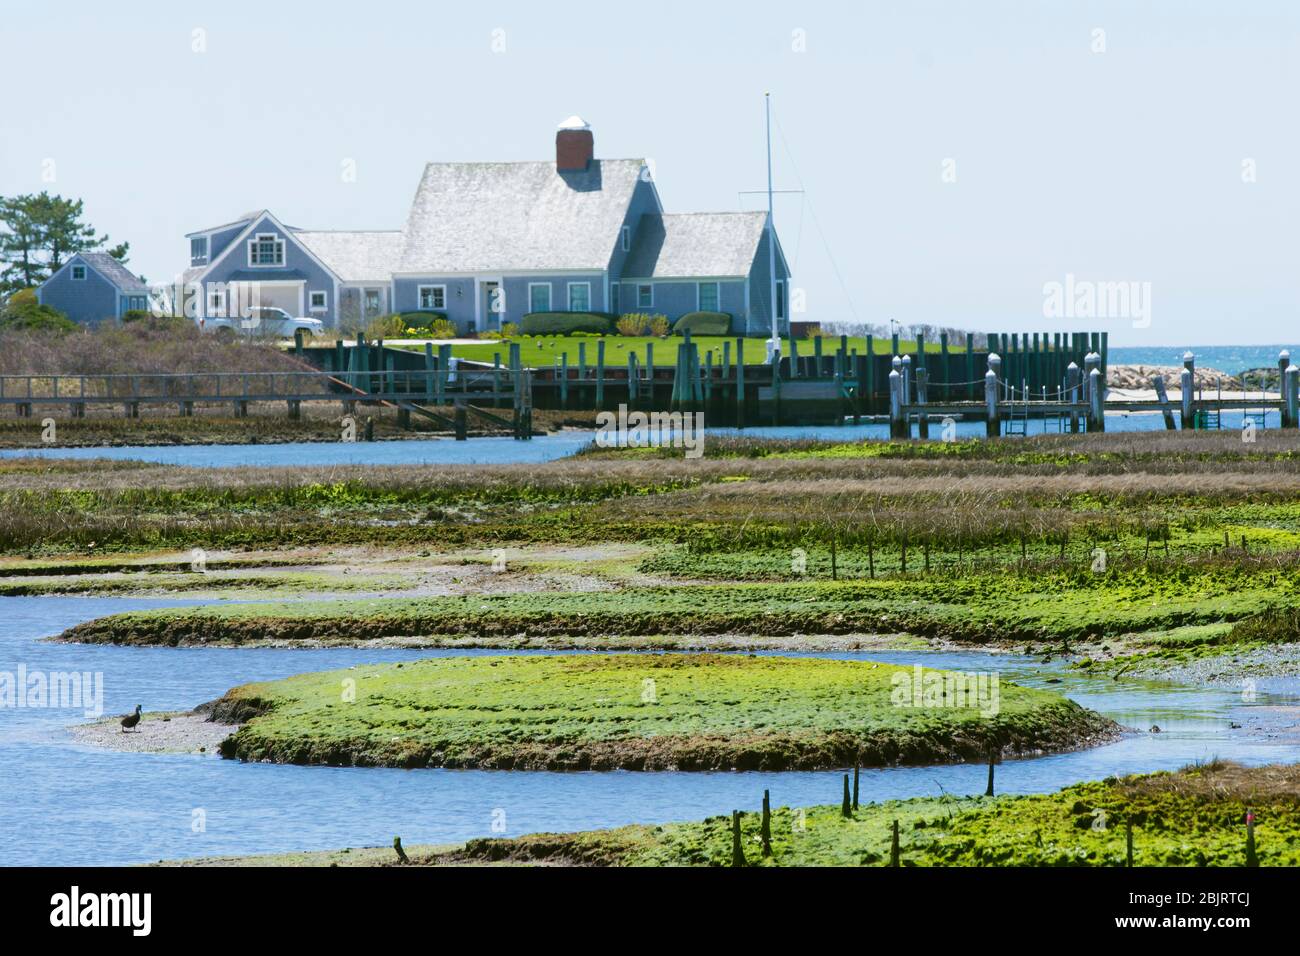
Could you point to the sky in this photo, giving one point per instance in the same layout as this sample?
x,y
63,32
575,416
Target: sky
x,y
996,166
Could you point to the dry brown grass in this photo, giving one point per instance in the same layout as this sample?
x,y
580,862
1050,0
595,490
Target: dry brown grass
x,y
1224,780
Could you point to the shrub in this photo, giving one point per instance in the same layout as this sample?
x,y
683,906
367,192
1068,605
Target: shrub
x,y
135,315
23,312
659,325
704,323
509,330
563,323
632,323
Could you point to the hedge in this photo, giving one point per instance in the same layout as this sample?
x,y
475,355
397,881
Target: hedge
x,y
564,323
704,323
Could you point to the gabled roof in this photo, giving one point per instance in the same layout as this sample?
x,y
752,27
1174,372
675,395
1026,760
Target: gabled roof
x,y
356,256
114,271
686,245
482,217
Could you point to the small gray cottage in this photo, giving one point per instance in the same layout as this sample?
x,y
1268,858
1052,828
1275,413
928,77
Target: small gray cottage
x,y
92,287
487,243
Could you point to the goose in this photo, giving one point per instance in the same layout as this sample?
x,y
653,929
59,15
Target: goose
x,y
130,720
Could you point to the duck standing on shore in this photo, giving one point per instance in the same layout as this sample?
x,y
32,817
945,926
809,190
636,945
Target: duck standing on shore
x,y
130,720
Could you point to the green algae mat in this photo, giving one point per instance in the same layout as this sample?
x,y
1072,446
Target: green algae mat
x,y
1194,817
646,712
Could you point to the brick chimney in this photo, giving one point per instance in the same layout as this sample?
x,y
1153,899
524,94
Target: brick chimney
x,y
574,145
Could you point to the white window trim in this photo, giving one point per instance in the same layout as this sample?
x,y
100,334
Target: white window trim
x,y
570,293
419,298
550,303
252,244
84,273
699,295
645,285
203,257
627,238
324,301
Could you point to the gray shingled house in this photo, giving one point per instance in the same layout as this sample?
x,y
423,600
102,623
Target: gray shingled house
x,y
487,243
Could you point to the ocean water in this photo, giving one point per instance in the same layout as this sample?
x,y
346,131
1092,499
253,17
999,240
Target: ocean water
x,y
1226,358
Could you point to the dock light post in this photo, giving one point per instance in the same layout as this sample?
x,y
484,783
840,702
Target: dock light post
x,y
1187,382
993,427
1072,393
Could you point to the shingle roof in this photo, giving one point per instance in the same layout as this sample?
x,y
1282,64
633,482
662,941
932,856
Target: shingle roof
x,y
472,217
114,272
356,256
684,245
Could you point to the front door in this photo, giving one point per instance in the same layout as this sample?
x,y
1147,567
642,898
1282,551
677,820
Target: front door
x,y
493,306
372,303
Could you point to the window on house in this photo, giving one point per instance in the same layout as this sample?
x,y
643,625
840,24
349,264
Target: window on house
x,y
539,297
216,302
199,251
78,272
579,296
780,300
317,301
709,297
266,250
613,298
627,238
645,296
433,297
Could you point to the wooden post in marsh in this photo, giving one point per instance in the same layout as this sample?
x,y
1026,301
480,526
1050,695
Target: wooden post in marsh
x,y
726,360
740,384
600,374
1291,390
1163,397
992,428
650,374
631,381
766,831
817,357
897,424
1251,858
582,374
895,855
1128,842
397,848
835,568
794,358
1283,361
846,809
737,853
1187,382
564,379
460,421
993,756
923,417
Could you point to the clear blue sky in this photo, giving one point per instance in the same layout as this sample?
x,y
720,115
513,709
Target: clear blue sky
x,y
1123,165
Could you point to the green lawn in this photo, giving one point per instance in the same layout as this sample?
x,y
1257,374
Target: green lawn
x,y
545,350
643,712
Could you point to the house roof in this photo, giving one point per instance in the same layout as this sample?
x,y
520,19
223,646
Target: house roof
x,y
114,272
355,256
475,217
684,245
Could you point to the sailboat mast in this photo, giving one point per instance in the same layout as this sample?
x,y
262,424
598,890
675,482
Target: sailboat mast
x,y
771,235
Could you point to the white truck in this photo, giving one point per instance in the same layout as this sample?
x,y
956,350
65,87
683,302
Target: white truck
x,y
262,322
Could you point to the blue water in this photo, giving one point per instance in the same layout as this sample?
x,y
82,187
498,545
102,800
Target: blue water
x,y
507,451
1226,358
70,804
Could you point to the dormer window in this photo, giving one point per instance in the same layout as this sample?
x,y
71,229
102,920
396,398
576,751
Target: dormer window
x,y
199,251
267,250
79,273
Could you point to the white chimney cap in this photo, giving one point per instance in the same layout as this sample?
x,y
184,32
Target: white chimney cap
x,y
574,122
